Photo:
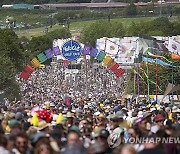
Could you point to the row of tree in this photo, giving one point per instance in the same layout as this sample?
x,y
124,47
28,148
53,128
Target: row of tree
x,y
64,1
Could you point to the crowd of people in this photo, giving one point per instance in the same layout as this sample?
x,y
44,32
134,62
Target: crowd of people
x,y
55,116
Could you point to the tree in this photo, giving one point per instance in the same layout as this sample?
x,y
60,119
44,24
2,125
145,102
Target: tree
x,y
157,27
131,10
12,59
61,33
41,43
96,30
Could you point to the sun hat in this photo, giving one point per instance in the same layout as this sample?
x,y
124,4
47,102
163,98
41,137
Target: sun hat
x,y
18,116
158,117
175,109
37,136
97,113
102,116
12,115
13,123
42,125
118,115
96,131
69,115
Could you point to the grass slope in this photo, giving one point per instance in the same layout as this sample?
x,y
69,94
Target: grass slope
x,y
76,27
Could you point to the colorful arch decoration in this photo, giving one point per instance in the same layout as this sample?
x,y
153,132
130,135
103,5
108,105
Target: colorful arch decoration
x,y
107,60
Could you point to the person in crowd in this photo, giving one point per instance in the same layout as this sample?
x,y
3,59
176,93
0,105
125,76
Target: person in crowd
x,y
3,145
43,147
21,144
126,149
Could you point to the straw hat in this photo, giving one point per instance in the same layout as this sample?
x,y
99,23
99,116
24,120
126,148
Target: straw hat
x,y
96,131
102,116
69,115
42,125
175,109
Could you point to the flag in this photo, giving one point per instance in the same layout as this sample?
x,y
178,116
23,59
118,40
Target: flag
x,y
49,53
86,50
59,118
101,56
107,61
29,69
100,44
56,51
159,45
42,57
35,62
24,75
173,45
153,45
128,50
112,46
35,120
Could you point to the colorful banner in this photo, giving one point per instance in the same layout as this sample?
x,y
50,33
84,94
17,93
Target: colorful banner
x,y
55,51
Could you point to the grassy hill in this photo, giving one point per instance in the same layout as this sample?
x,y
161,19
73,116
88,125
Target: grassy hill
x,y
75,27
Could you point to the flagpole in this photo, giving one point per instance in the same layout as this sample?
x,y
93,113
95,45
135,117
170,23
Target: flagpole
x,y
138,80
147,70
134,83
157,82
86,72
172,84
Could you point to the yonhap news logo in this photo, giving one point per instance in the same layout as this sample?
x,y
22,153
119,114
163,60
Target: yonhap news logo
x,y
115,139
143,140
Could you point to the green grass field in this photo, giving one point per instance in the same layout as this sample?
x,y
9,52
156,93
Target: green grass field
x,y
76,27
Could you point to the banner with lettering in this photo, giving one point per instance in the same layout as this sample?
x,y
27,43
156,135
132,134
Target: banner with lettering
x,y
86,50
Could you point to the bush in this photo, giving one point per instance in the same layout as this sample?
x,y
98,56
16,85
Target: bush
x,y
131,10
